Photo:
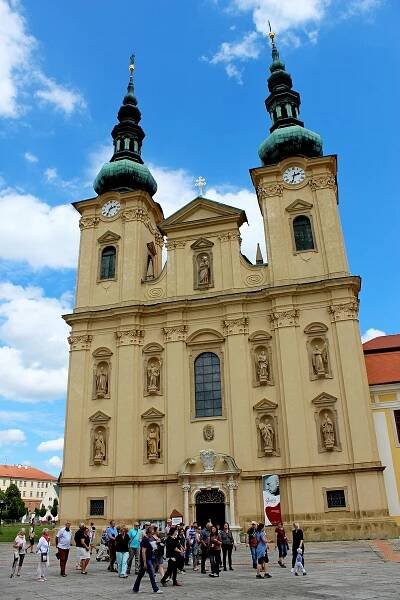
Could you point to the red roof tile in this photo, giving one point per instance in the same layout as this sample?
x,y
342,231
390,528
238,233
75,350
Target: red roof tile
x,y
23,472
382,342
382,359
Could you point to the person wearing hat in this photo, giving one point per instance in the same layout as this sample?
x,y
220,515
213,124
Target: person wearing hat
x,y
251,542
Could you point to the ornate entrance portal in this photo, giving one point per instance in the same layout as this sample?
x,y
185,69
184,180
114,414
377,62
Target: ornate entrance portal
x,y
210,505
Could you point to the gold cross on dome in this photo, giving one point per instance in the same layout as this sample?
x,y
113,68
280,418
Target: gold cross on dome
x,y
201,184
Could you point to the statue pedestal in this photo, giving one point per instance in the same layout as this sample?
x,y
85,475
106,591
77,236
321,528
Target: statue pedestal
x,y
236,533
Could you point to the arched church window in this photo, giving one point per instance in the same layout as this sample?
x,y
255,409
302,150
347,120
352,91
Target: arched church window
x,y
207,381
107,266
284,111
303,236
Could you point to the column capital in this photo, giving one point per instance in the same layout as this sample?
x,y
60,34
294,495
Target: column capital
x,y
343,312
235,326
80,342
284,318
177,333
186,487
130,337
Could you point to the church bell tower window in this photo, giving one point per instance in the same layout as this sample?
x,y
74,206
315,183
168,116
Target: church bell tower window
x,y
303,235
108,261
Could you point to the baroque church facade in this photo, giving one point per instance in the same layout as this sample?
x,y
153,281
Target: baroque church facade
x,y
191,380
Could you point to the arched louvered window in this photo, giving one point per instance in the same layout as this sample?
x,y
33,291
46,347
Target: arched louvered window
x,y
303,235
207,381
108,260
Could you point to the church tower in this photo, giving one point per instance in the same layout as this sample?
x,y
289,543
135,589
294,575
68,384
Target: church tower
x,y
190,381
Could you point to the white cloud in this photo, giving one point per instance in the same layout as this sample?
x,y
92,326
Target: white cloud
x,y
55,461
19,63
51,445
33,351
50,174
370,334
36,233
96,160
176,188
30,157
11,436
247,48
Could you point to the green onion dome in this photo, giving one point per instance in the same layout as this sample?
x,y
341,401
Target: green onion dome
x,y
124,175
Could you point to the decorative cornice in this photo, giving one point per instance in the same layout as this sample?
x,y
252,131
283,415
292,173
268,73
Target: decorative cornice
x,y
267,191
229,235
87,222
323,181
175,334
343,312
173,244
142,215
130,337
236,326
285,318
80,342
232,485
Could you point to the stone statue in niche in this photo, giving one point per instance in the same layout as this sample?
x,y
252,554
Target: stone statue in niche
x,y
328,432
153,376
99,447
267,434
263,366
320,359
153,442
204,274
102,380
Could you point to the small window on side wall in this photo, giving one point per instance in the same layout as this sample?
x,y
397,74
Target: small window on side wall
x,y
303,235
336,499
96,507
108,260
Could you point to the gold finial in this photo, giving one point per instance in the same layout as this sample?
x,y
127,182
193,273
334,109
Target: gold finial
x,y
132,64
271,34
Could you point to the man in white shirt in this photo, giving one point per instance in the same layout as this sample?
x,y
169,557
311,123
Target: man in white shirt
x,y
63,543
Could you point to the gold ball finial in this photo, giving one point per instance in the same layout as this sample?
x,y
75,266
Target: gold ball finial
x,y
132,63
271,34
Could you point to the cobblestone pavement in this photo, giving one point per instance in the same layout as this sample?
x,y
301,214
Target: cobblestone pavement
x,y
335,570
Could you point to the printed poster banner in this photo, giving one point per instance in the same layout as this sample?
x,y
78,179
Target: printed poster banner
x,y
272,500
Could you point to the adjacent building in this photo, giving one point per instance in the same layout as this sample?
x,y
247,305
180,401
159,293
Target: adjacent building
x,y
382,359
191,380
37,487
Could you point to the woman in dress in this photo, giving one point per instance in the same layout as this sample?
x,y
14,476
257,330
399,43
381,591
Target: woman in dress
x,y
228,543
261,552
43,550
215,550
19,547
85,550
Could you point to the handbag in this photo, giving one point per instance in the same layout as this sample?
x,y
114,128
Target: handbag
x,y
43,557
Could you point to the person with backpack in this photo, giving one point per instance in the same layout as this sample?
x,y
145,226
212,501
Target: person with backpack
x,y
134,548
251,542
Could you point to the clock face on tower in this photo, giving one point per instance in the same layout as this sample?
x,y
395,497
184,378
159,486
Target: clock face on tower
x,y
294,175
110,208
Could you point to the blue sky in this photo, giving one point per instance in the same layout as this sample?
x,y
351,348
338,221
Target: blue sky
x,y
201,83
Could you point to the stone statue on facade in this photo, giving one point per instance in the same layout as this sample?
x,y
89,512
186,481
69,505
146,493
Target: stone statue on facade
x,y
208,432
320,360
328,432
263,368
99,453
153,376
153,442
204,270
102,381
267,433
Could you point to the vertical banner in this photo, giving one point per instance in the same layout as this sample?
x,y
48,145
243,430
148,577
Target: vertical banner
x,y
271,499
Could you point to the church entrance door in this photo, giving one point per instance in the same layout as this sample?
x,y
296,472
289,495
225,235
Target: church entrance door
x,y
210,505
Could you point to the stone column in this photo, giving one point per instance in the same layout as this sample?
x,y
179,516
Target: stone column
x,y
232,485
186,490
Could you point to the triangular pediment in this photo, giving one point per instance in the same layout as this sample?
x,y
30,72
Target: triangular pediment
x,y
201,244
324,399
265,405
152,413
108,236
299,206
99,417
203,211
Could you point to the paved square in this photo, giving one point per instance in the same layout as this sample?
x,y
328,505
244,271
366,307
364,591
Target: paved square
x,y
336,570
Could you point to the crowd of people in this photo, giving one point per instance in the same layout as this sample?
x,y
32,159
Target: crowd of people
x,y
161,555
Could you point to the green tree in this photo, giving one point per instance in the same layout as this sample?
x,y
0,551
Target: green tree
x,y
15,507
37,512
42,511
54,508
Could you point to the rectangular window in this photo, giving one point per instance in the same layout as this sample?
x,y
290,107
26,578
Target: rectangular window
x,y
30,494
31,483
96,508
335,499
397,423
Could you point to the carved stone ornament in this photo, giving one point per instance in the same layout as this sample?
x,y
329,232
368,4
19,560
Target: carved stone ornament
x,y
153,375
142,215
285,318
153,442
174,244
326,421
236,326
229,235
99,438
343,312
87,222
328,431
323,181
80,342
266,191
208,432
130,337
268,436
99,446
175,334
262,365
153,435
208,459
